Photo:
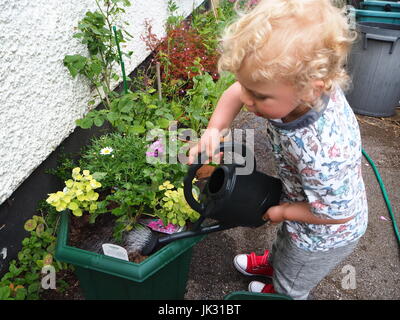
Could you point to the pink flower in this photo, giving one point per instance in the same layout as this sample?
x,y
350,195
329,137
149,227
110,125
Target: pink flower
x,y
156,148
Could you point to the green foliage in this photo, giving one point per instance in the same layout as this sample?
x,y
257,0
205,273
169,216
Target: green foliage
x,y
173,208
64,166
95,31
200,101
126,163
173,19
78,194
132,113
133,182
23,279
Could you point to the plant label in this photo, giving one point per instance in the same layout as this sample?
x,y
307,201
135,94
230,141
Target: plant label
x,y
4,253
115,251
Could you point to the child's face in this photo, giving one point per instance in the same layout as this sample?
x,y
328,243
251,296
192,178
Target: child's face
x,y
267,99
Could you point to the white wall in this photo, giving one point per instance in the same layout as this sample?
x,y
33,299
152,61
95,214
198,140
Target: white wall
x,y
39,100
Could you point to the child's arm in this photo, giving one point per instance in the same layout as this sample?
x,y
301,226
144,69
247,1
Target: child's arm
x,y
227,108
298,211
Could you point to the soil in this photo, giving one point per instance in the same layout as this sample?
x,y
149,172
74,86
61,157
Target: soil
x,y
71,292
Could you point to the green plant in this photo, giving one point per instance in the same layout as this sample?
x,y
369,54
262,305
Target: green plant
x,y
65,163
132,113
95,31
173,19
78,194
23,279
201,100
172,207
131,180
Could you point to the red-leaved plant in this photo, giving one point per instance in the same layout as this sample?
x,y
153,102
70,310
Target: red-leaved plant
x,y
182,55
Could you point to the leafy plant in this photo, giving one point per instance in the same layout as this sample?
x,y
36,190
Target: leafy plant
x,y
65,163
95,31
178,54
132,113
201,100
173,208
23,279
78,194
126,172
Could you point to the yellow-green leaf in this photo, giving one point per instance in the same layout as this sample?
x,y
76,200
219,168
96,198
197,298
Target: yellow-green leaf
x,y
69,183
77,212
48,259
73,206
30,225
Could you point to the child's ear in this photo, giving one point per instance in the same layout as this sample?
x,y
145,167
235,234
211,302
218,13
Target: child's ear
x,y
315,91
318,86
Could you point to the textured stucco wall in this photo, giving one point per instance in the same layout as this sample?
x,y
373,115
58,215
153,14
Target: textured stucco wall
x,y
39,100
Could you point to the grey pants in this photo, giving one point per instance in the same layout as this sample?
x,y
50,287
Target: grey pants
x,y
297,271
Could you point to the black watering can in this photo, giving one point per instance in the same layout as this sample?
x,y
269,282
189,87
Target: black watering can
x,y
230,198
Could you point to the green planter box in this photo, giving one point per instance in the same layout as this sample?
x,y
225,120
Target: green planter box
x,y
246,295
163,275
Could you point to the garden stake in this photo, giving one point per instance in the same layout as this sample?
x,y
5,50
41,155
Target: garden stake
x,y
158,74
121,61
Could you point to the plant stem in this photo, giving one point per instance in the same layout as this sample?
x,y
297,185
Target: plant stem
x,y
107,103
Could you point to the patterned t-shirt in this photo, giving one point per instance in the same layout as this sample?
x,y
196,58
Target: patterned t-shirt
x,y
319,161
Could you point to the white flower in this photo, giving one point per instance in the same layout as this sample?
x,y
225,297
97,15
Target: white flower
x,y
106,150
65,190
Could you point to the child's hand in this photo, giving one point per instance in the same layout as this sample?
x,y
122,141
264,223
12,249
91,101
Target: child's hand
x,y
275,214
208,143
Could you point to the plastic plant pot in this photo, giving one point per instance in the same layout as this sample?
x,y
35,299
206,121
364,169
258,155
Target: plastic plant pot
x,y
374,66
161,276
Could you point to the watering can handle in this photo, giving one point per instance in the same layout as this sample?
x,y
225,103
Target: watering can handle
x,y
188,186
188,181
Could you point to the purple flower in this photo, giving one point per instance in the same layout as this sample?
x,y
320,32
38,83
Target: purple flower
x,y
156,148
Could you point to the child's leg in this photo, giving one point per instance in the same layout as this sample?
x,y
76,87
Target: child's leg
x,y
296,271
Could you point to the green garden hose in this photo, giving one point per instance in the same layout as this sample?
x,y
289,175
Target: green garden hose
x,y
385,195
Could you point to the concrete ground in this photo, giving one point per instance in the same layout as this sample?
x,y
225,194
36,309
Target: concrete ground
x,y
376,260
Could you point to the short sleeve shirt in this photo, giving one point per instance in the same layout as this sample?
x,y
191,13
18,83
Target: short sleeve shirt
x,y
319,161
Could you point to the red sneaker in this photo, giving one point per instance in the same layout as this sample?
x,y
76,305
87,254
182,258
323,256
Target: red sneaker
x,y
252,265
257,286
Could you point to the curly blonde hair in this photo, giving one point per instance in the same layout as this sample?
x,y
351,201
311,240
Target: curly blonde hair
x,y
296,41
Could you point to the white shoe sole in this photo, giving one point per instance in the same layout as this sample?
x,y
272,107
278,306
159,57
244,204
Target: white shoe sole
x,y
253,284
239,268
